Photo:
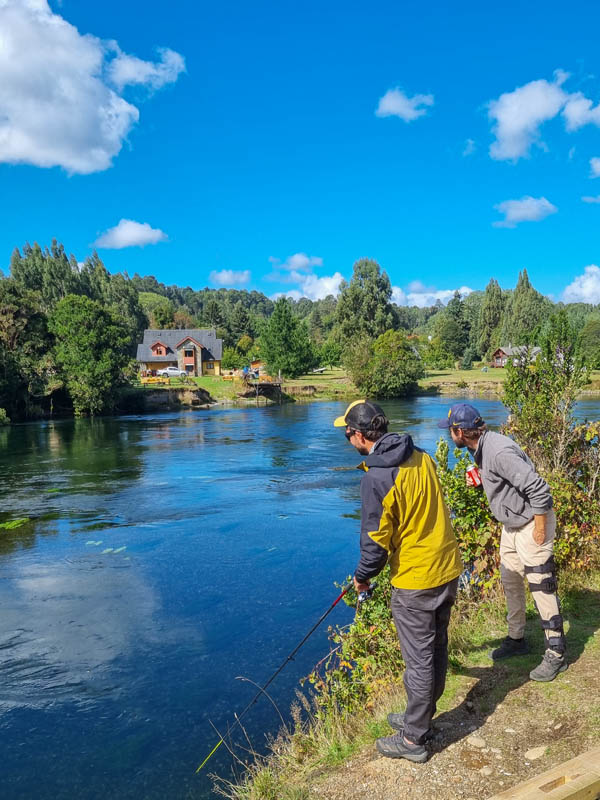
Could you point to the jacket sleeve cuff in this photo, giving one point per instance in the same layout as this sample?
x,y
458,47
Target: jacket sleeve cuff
x,y
543,509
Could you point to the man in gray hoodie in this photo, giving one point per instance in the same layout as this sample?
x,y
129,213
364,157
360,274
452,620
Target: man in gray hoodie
x,y
520,499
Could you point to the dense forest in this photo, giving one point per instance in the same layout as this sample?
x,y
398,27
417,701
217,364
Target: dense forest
x,y
69,330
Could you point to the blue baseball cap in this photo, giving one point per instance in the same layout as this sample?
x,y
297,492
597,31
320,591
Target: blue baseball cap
x,y
462,415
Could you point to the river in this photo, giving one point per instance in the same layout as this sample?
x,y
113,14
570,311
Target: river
x,y
166,557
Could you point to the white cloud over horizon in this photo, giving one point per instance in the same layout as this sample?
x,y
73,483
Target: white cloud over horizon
x,y
417,294
585,288
527,209
518,116
129,233
230,277
60,105
395,103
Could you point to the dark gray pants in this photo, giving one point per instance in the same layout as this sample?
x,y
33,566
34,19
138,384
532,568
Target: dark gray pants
x,y
421,617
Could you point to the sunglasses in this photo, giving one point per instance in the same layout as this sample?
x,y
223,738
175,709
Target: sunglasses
x,y
349,433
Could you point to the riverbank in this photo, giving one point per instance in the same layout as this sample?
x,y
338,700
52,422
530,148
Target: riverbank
x,y
494,727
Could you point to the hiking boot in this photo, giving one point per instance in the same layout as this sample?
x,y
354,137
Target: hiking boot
x,y
510,647
551,665
396,721
396,746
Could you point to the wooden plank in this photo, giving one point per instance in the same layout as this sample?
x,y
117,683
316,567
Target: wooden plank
x,y
577,779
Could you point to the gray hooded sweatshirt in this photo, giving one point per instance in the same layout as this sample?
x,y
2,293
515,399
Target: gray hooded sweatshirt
x,y
513,488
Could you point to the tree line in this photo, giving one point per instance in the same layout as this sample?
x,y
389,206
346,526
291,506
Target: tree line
x,y
69,330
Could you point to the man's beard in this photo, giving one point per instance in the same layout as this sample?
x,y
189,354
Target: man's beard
x,y
364,451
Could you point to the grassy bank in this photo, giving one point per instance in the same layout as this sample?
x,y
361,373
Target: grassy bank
x,y
332,755
334,384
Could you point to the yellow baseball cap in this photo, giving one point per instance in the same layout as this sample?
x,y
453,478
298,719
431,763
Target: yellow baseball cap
x,y
359,415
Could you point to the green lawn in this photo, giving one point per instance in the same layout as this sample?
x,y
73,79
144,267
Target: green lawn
x,y
466,375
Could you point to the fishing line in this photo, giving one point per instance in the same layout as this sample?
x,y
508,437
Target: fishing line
x,y
276,673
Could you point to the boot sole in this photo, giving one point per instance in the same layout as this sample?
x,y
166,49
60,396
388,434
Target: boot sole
x,y
547,680
417,758
509,655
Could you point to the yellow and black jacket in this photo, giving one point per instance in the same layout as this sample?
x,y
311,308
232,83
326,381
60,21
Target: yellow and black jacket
x,y
404,518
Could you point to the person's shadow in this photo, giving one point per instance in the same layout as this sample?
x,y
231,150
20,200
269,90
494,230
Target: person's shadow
x,y
581,609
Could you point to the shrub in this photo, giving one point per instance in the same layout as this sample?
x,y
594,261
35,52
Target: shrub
x,y
4,418
366,656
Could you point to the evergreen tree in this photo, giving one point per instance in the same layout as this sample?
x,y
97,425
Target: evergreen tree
x,y
590,338
240,323
525,314
285,344
490,316
364,307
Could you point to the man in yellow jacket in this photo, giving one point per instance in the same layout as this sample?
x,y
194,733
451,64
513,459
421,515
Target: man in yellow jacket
x,y
404,520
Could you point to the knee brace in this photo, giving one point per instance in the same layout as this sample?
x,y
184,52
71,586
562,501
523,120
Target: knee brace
x,y
548,585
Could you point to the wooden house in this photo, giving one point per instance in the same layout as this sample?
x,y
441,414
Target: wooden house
x,y
195,351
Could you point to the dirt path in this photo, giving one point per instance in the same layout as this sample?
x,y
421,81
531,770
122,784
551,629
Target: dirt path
x,y
494,718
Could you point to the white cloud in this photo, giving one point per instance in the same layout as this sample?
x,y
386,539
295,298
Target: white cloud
x,y
129,233
420,295
517,116
230,277
127,70
588,199
395,103
317,288
469,148
58,106
585,288
299,261
594,167
578,112
527,209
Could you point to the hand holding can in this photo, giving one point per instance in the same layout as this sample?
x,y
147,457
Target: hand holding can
x,y
473,476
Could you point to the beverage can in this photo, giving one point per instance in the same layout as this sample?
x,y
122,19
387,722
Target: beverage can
x,y
474,475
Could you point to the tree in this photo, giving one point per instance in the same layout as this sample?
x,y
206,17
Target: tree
x,y
232,358
240,323
490,317
285,344
364,307
392,369
590,339
331,353
524,314
541,397
27,371
436,355
157,309
91,350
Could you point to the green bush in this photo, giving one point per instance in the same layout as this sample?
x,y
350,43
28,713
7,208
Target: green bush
x,y
4,418
366,656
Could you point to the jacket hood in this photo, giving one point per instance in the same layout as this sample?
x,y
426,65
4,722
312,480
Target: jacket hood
x,y
390,451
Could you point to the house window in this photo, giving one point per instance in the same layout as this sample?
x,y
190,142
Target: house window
x,y
210,365
159,351
189,367
188,353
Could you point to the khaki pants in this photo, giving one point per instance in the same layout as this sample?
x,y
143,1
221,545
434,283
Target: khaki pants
x,y
520,556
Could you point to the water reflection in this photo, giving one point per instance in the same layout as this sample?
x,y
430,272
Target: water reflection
x,y
63,626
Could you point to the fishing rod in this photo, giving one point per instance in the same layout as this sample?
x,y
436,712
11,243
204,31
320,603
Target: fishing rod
x,y
290,657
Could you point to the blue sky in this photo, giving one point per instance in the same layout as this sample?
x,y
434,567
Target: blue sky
x,y
268,145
